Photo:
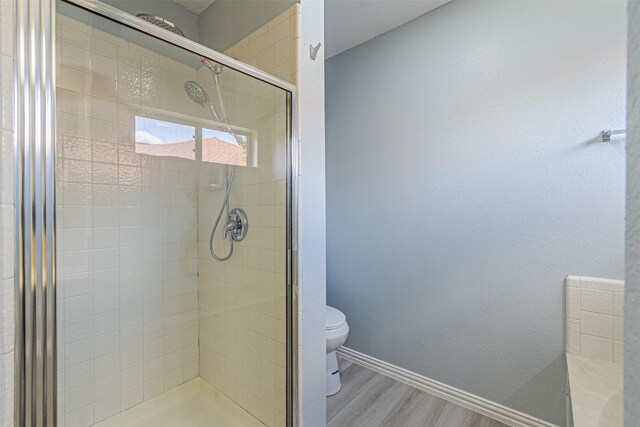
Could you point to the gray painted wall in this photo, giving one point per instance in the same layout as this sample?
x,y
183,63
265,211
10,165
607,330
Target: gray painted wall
x,y
632,295
465,181
187,21
226,22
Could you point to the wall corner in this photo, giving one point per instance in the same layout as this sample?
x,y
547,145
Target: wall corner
x,y
632,264
312,219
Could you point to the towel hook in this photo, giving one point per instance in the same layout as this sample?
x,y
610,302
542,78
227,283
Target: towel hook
x,y
313,50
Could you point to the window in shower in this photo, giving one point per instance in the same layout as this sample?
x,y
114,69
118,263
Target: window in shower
x,y
164,138
171,138
224,147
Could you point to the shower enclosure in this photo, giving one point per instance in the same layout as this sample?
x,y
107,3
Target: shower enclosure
x,y
155,227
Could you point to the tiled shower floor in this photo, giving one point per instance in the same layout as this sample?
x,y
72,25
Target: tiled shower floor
x,y
193,404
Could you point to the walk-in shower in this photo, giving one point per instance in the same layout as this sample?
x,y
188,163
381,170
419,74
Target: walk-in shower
x,y
126,170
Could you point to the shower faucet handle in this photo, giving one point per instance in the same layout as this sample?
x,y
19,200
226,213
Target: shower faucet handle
x,y
230,228
237,225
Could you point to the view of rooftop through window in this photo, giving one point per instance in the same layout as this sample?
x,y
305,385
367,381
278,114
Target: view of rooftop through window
x,y
165,138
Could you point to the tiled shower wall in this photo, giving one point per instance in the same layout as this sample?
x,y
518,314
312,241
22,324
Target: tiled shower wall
x,y
242,301
127,227
6,214
595,318
274,46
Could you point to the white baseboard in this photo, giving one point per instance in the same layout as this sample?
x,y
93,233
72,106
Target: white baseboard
x,y
466,400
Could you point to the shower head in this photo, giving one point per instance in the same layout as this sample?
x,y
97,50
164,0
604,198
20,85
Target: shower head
x,y
196,93
161,22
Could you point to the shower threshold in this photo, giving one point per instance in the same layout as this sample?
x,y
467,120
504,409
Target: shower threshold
x,y
192,404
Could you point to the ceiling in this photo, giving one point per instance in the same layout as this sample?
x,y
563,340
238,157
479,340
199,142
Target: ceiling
x,y
348,23
195,6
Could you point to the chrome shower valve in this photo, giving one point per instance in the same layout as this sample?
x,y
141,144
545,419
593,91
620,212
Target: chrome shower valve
x,y
237,225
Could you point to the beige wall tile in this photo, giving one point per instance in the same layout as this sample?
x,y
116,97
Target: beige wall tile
x,y
618,352
573,336
618,328
618,303
600,325
596,347
128,289
594,319
6,27
6,215
573,302
6,389
596,301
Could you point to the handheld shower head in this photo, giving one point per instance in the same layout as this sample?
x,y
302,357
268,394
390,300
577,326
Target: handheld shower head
x,y
236,227
196,93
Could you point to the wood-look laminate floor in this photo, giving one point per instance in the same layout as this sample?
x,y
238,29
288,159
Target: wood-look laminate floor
x,y
370,399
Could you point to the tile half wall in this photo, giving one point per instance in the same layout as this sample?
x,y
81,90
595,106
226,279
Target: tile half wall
x,y
595,317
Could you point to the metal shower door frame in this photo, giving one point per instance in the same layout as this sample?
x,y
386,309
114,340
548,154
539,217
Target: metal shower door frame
x,y
35,241
35,379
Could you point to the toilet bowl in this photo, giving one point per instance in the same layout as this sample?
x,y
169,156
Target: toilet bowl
x,y
337,331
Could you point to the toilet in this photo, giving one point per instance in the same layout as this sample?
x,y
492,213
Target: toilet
x,y
337,331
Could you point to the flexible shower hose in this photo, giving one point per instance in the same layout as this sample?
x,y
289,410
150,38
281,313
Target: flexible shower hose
x,y
215,225
230,176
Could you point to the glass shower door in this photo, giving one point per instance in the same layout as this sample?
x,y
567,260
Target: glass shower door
x,y
153,144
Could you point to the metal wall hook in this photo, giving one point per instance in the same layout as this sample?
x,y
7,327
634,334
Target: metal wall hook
x,y
313,50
